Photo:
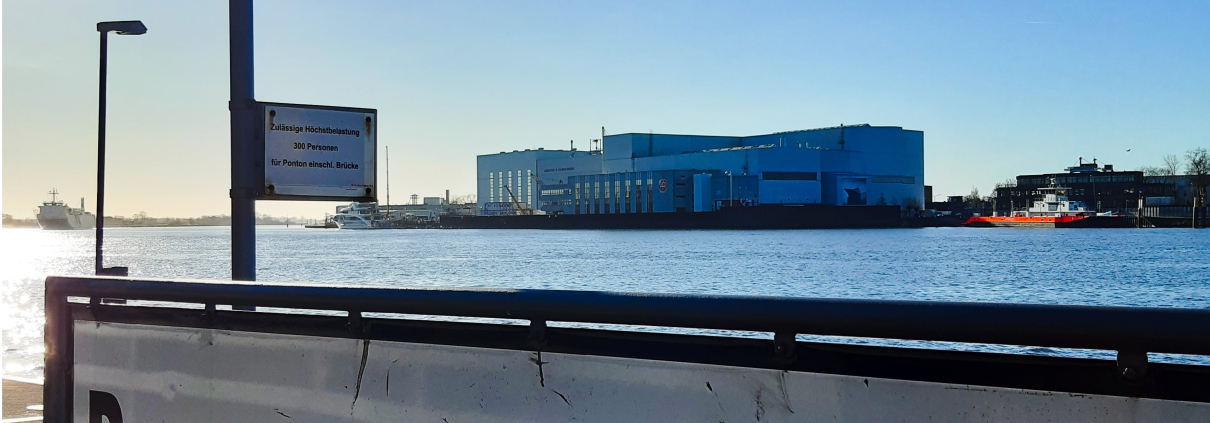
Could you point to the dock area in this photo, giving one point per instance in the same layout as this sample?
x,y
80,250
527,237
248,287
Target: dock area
x,y
22,401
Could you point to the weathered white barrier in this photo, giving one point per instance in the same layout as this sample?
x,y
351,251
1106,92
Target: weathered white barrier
x,y
143,363
146,373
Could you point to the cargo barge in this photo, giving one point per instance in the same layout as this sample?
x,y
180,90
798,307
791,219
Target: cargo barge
x,y
755,217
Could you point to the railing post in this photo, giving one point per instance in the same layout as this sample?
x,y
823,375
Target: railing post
x,y
58,341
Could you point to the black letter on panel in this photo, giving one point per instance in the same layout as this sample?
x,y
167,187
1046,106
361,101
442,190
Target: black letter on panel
x,y
103,404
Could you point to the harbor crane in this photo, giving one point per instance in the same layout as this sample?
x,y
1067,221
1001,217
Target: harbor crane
x,y
517,208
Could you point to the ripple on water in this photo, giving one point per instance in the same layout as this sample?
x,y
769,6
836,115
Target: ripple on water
x,y
1154,268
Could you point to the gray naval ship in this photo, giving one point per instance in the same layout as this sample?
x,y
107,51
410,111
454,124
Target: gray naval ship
x,y
55,214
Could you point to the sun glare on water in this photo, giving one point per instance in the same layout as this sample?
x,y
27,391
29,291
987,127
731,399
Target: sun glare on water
x,y
27,256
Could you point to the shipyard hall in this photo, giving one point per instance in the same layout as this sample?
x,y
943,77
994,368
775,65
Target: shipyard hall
x,y
855,165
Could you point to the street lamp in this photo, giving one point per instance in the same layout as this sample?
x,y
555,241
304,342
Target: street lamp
x,y
121,28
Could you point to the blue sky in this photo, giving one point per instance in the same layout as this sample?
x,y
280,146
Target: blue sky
x,y
999,88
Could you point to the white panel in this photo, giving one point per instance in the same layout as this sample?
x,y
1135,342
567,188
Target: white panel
x,y
196,375
313,151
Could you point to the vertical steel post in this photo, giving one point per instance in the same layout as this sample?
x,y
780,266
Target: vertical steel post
x,y
101,154
59,344
243,143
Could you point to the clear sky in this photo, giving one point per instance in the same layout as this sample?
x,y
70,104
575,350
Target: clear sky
x,y
999,88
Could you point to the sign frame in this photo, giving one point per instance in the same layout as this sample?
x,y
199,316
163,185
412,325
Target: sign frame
x,y
266,191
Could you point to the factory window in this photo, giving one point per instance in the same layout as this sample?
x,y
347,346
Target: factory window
x,y
509,188
628,188
500,186
617,197
491,187
790,176
650,209
887,179
604,195
638,195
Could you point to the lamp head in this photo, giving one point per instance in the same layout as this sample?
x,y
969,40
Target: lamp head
x,y
122,27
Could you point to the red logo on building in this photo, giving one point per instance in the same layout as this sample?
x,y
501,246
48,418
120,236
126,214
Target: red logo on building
x,y
663,185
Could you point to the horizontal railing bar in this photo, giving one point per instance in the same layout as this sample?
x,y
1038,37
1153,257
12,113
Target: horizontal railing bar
x,y
1136,329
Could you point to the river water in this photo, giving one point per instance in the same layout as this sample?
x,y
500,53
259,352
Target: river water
x,y
1123,267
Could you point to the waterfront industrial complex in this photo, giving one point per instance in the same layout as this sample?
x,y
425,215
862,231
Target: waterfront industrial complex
x,y
638,173
658,173
847,176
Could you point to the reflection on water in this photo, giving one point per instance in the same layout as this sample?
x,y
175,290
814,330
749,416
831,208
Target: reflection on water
x,y
1131,267
26,257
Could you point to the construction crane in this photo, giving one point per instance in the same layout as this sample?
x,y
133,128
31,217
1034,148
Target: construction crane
x,y
518,209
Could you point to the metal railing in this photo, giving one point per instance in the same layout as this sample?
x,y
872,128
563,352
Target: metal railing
x,y
1131,331
1136,329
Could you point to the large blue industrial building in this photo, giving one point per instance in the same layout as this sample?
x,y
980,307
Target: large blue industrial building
x,y
653,173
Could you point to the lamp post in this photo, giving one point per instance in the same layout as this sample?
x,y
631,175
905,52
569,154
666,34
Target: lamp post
x,y
121,28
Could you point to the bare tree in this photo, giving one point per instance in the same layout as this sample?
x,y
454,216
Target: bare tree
x,y
973,199
1172,165
1198,168
1150,171
1171,168
1008,183
1154,173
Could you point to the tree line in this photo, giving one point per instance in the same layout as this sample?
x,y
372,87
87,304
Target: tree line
x,y
1195,164
141,219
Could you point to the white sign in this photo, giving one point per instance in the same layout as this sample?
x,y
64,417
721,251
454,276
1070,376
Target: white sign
x,y
147,373
317,152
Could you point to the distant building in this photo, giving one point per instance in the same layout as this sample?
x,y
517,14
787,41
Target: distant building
x,y
653,173
1099,186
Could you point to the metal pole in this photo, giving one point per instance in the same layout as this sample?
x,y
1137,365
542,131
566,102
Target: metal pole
x,y
243,151
388,154
101,155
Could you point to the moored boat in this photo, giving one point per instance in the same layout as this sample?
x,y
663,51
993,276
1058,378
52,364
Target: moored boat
x,y
1054,210
355,216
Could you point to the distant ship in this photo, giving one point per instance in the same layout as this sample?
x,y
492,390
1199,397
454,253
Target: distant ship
x,y
55,214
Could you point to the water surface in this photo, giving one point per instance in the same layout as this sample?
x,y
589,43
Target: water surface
x,y
1124,267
